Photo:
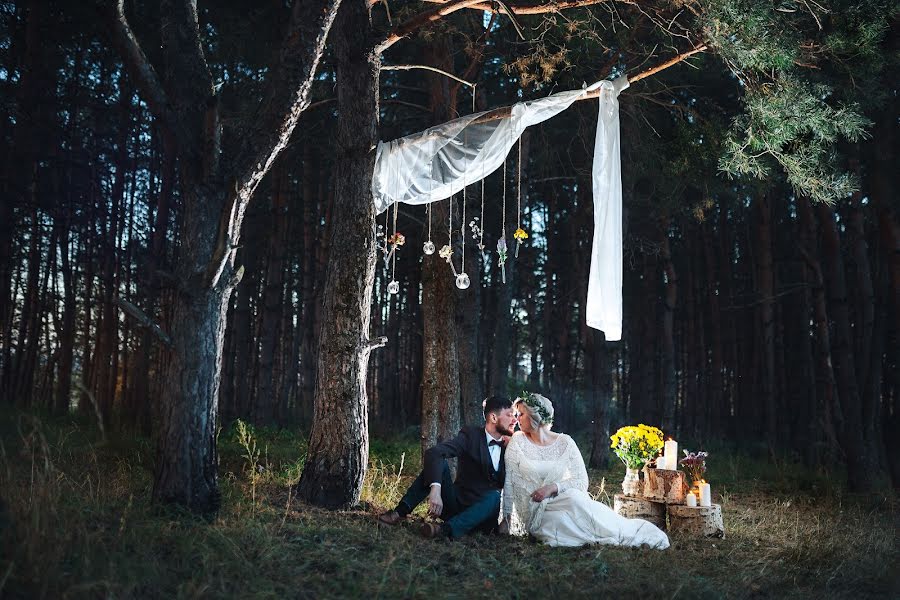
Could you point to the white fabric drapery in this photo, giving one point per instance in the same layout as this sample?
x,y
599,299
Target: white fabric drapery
x,y
436,163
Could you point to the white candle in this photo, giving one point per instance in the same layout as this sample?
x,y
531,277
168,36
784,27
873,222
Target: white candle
x,y
691,499
660,462
705,496
671,454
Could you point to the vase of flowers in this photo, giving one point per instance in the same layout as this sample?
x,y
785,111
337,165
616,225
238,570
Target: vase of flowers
x,y
635,446
694,464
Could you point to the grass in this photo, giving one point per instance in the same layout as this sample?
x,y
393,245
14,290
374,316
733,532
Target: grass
x,y
75,522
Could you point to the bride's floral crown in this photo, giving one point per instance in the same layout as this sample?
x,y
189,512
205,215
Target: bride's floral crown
x,y
535,404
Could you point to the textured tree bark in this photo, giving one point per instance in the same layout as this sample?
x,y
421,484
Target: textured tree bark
x,y
441,413
664,485
440,363
638,508
699,521
216,188
339,440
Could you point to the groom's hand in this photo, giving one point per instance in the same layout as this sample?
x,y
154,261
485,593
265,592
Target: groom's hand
x,y
435,504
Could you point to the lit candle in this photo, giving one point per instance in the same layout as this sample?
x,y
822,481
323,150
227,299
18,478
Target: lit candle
x,y
691,499
705,496
671,454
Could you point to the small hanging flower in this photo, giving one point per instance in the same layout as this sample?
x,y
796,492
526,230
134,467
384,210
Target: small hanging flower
x,y
398,239
476,228
520,235
446,252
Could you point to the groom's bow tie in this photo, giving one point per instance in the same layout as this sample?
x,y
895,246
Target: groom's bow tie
x,y
494,443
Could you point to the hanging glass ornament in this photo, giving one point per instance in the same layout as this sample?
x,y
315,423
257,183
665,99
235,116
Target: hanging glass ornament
x,y
428,246
462,281
501,257
393,287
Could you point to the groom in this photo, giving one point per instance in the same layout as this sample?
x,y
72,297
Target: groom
x,y
473,500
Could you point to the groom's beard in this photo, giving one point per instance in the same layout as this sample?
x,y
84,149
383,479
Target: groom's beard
x,y
504,430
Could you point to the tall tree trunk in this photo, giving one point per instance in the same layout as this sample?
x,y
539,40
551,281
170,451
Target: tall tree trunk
x,y
264,405
440,347
670,298
67,333
765,285
863,470
339,440
216,188
599,376
716,381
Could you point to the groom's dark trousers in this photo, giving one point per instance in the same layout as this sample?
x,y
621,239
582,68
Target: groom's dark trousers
x,y
472,502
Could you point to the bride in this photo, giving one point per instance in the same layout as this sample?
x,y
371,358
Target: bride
x,y
545,493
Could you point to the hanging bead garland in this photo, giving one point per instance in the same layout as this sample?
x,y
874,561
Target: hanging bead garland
x,y
501,243
397,239
447,251
428,246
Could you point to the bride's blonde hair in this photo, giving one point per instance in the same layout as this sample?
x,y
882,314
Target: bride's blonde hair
x,y
540,410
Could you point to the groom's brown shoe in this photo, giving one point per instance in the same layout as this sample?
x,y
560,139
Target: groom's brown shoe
x,y
391,517
432,530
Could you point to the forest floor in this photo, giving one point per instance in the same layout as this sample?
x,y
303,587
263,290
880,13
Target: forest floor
x,y
76,522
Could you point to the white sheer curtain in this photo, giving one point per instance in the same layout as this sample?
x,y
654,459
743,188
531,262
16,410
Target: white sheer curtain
x,y
438,162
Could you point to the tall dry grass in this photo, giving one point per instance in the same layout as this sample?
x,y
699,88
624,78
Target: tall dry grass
x,y
75,522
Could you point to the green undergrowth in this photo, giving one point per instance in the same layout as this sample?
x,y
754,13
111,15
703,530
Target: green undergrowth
x,y
76,522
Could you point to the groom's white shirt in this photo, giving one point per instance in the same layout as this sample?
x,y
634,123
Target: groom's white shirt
x,y
494,451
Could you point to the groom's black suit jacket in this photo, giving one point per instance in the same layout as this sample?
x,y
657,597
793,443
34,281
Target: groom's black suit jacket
x,y
475,474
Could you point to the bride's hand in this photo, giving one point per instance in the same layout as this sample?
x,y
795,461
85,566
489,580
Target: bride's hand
x,y
541,493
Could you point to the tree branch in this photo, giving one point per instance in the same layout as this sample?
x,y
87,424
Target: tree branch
x,y
140,69
672,61
370,345
535,9
142,318
421,20
427,68
286,97
191,91
504,111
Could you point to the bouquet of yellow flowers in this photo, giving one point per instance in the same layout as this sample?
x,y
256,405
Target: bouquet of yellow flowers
x,y
635,446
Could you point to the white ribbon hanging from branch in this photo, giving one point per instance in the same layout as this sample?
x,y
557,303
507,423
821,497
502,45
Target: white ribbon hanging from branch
x,y
436,163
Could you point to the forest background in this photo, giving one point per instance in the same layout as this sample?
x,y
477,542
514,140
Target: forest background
x,y
761,274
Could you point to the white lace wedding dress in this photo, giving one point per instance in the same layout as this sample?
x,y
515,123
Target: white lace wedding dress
x,y
572,517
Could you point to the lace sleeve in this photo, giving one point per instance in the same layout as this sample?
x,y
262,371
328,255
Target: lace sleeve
x,y
512,469
575,476
514,502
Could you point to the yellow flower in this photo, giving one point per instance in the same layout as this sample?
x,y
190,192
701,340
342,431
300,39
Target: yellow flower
x,y
520,234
